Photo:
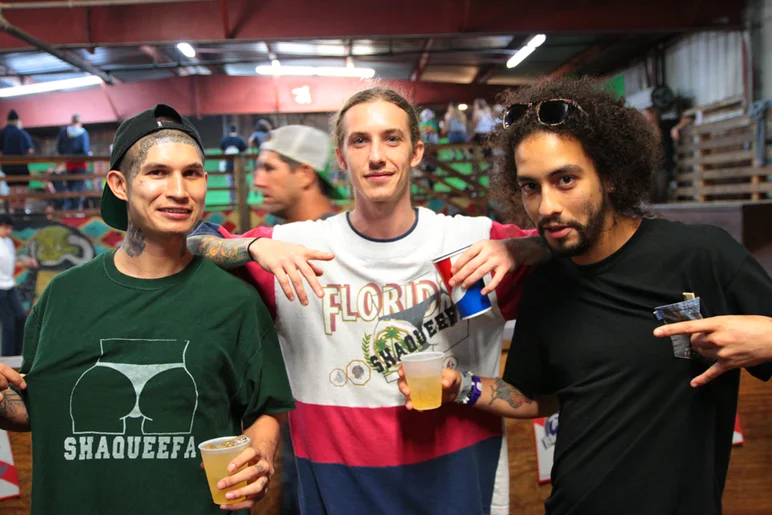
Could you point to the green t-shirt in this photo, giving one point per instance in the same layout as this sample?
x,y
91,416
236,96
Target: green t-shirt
x,y
127,376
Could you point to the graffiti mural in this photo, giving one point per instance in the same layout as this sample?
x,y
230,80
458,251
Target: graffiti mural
x,y
60,245
56,247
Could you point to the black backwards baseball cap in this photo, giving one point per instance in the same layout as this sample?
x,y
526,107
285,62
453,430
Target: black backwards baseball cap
x,y
129,132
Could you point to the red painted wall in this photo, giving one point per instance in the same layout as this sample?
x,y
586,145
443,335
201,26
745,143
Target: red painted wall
x,y
221,94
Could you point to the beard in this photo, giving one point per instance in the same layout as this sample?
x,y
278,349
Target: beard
x,y
587,234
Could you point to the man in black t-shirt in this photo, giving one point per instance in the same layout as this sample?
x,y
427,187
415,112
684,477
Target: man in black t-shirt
x,y
231,144
634,437
733,341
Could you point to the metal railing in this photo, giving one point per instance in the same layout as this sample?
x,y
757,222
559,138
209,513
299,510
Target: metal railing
x,y
47,199
454,175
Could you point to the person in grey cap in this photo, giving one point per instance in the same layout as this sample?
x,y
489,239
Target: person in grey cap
x,y
291,176
291,172
133,359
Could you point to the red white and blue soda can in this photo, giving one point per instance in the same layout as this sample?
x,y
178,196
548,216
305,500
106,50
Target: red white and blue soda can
x,y
469,302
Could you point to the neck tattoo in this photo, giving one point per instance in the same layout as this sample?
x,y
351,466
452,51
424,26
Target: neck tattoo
x,y
134,243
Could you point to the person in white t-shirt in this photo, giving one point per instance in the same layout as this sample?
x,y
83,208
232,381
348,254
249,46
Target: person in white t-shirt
x,y
358,450
12,314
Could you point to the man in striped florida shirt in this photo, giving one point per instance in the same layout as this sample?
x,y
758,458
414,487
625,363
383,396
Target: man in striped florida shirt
x,y
379,298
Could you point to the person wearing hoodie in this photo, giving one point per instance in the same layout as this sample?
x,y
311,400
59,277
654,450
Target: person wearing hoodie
x,y
262,128
73,141
231,144
15,141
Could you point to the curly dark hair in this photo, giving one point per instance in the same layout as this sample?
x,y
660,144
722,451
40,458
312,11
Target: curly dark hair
x,y
620,142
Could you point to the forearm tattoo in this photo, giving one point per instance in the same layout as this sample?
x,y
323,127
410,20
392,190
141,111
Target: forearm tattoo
x,y
134,243
507,393
224,253
273,446
13,412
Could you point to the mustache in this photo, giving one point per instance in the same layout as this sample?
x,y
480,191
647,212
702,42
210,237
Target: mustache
x,y
554,220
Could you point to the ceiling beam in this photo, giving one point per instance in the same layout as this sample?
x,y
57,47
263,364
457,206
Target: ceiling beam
x,y
612,62
224,15
63,55
219,94
271,54
89,32
587,55
248,11
161,59
195,21
423,60
486,71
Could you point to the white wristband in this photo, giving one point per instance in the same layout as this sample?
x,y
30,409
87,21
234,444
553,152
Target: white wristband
x,y
466,388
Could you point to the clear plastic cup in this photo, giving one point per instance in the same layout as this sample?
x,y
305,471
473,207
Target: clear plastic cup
x,y
423,371
216,460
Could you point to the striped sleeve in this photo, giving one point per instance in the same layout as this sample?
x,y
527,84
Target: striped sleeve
x,y
510,290
251,273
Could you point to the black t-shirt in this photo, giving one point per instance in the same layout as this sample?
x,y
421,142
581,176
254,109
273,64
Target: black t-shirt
x,y
634,436
237,142
232,145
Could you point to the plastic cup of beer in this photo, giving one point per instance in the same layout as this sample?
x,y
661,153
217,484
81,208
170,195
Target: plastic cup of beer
x,y
217,454
423,371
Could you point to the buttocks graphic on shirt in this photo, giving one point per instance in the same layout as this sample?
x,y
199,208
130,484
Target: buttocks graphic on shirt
x,y
136,381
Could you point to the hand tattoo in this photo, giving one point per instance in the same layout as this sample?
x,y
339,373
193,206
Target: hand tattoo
x,y
13,412
134,243
508,393
224,253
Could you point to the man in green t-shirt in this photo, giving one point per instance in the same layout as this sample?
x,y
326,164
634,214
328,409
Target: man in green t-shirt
x,y
134,358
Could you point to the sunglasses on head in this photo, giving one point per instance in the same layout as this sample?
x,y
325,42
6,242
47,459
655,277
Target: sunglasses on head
x,y
548,112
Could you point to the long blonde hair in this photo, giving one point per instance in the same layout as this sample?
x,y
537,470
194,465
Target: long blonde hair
x,y
371,95
454,113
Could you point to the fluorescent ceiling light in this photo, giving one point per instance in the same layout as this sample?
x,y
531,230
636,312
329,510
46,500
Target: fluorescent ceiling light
x,y
54,85
320,71
537,40
186,50
463,107
362,49
298,48
520,56
275,62
527,50
328,71
330,50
